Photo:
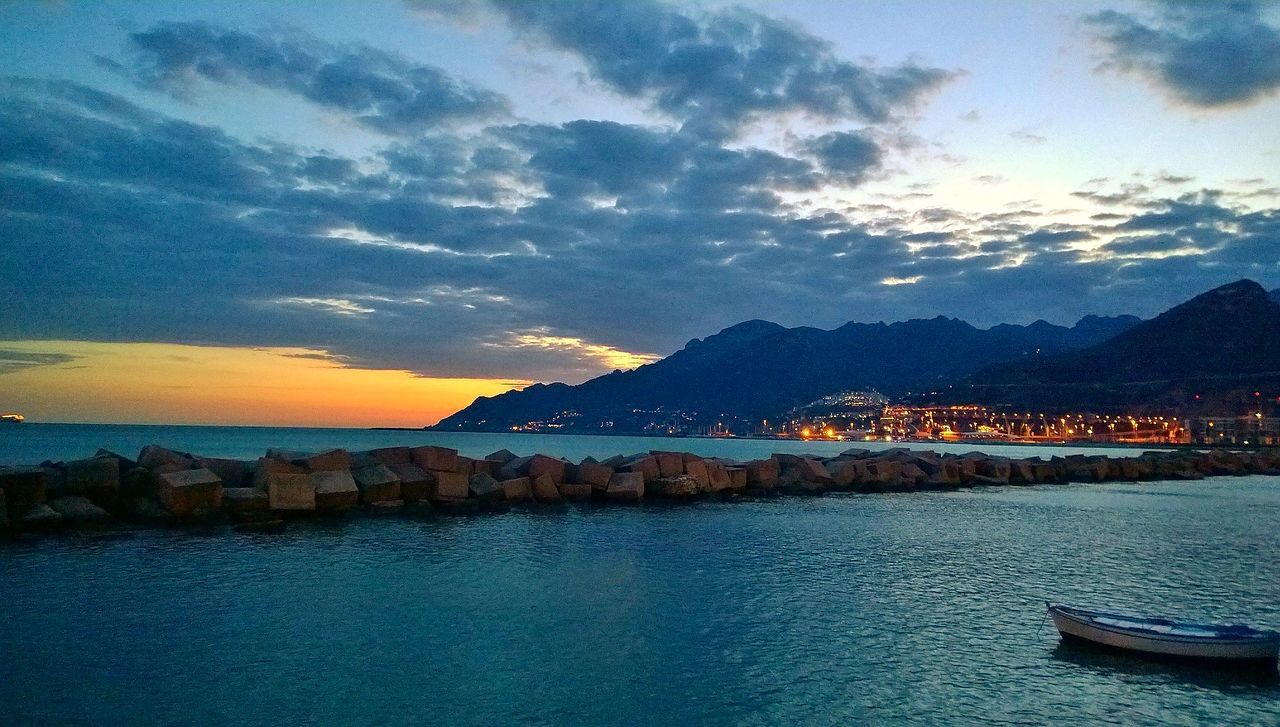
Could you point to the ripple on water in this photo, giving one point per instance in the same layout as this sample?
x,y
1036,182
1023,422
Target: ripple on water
x,y
908,608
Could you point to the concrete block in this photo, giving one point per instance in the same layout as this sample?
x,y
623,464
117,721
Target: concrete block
x,y
575,490
245,499
552,467
290,491
377,484
335,490
450,487
392,455
544,488
440,459
333,460
24,489
517,489
415,483
190,493
627,486
591,473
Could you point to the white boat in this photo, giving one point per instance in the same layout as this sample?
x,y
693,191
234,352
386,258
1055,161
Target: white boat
x,y
1161,637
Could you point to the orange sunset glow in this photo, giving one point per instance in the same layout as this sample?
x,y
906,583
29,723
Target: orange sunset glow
x,y
162,382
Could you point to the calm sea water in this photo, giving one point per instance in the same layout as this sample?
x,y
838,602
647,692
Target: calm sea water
x,y
914,608
32,443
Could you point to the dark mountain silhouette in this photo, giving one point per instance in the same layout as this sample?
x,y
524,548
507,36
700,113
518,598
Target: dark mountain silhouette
x,y
757,370
1275,295
1223,341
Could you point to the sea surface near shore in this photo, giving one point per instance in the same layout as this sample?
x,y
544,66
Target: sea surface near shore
x,y
33,443
904,608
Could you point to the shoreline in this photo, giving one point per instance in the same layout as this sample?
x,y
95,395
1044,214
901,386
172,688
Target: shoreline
x,y
166,488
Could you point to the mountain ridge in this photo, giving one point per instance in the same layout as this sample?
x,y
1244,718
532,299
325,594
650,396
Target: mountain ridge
x,y
1222,341
756,369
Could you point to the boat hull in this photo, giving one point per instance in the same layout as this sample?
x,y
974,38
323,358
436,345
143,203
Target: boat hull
x,y
1073,627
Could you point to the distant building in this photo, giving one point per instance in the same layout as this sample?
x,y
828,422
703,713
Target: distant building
x,y
1249,429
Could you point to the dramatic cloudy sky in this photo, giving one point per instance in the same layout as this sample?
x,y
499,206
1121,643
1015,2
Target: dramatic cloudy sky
x,y
371,212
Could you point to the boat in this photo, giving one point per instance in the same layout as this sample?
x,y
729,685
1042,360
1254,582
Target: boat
x,y
12,419
1163,638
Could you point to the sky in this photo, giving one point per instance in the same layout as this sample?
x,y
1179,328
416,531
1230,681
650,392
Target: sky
x,y
369,213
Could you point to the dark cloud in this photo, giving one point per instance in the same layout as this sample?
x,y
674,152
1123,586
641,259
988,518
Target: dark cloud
x,y
12,361
1205,54
380,90
1054,238
848,154
718,69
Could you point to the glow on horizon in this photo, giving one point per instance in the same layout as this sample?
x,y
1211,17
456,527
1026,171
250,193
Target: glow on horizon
x,y
164,383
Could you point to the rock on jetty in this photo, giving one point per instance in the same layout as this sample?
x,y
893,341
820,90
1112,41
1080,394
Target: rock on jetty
x,y
165,487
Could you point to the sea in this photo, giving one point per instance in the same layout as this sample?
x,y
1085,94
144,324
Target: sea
x,y
912,608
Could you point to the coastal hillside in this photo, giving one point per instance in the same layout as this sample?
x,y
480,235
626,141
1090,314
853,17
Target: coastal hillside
x,y
757,369
1218,347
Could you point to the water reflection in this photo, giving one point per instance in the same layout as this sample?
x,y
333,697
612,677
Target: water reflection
x,y
1257,680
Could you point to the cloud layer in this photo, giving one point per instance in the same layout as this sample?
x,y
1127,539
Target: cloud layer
x,y
380,90
718,70
1206,54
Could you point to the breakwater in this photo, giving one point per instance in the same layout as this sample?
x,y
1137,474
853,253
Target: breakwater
x,y
166,487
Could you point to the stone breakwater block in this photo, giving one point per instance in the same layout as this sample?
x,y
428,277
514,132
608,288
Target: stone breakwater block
x,y
190,493
122,461
592,474
232,472
392,455
55,478
79,510
415,482
293,456
360,460
550,466
271,466
98,478
812,470
290,491
737,478
644,465
484,487
679,486
544,489
464,465
697,470
517,489
575,490
513,468
377,484
718,476
153,457
502,456
42,516
24,489
440,459
335,490
333,460
763,473
626,486
483,467
450,487
670,464
846,472
245,499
